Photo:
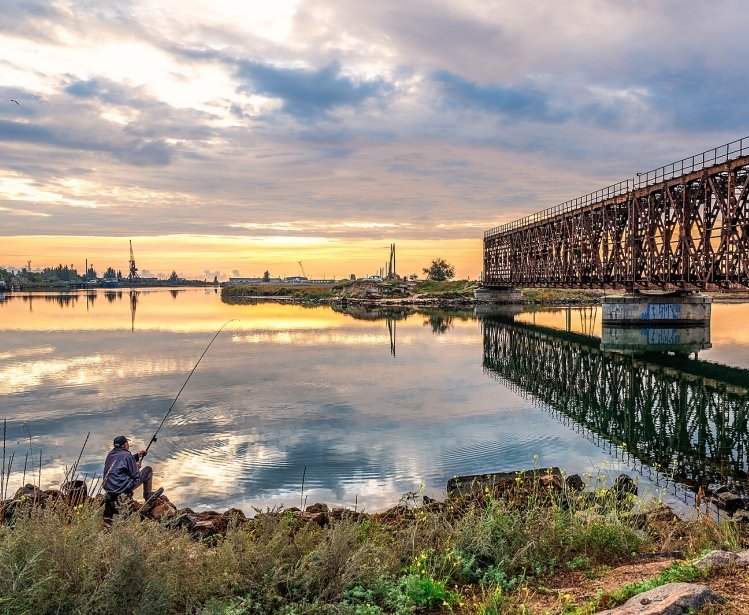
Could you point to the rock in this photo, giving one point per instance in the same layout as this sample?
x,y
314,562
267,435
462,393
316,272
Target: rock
x,y
321,518
317,508
716,559
29,492
669,599
180,518
729,501
499,482
203,529
235,514
76,492
161,508
624,486
741,517
742,559
574,482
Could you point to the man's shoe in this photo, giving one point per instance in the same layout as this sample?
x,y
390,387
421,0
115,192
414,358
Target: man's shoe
x,y
154,495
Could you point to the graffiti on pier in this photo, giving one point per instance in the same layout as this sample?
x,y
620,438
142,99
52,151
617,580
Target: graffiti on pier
x,y
661,311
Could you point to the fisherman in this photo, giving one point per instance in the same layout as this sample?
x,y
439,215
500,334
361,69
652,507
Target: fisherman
x,y
123,474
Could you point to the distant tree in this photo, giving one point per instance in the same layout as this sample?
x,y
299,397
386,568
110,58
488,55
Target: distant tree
x,y
61,272
440,270
110,274
91,273
266,276
174,277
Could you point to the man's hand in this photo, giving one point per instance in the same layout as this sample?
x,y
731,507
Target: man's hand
x,y
137,464
142,454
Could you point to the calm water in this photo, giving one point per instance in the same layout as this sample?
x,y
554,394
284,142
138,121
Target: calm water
x,y
372,404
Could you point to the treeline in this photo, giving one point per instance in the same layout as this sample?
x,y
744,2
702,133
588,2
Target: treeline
x,y
60,273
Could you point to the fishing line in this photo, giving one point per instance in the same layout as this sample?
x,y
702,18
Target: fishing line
x,y
153,438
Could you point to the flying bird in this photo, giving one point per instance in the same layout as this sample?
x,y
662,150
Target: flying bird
x,y
15,101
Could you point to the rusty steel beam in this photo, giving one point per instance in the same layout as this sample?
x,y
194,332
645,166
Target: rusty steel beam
x,y
680,227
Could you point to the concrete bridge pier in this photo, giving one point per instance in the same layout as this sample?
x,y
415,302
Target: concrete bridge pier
x,y
498,294
676,309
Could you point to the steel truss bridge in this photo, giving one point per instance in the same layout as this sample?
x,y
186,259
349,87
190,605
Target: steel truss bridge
x,y
685,423
684,226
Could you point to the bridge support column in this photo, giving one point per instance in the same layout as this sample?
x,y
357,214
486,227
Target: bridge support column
x,y
678,309
496,294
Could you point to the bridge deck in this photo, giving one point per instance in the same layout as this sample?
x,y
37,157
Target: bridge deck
x,y
681,226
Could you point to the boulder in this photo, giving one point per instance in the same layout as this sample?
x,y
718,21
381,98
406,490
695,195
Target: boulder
x,y
500,482
208,523
624,486
574,482
321,518
29,492
317,508
669,599
76,492
742,559
729,501
160,508
180,518
716,559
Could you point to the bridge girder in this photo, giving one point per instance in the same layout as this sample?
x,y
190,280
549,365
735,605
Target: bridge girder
x,y
689,232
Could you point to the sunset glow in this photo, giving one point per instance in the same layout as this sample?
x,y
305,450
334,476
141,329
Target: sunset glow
x,y
229,138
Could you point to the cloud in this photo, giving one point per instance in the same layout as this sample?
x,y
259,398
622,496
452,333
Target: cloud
x,y
524,103
137,152
307,92
322,118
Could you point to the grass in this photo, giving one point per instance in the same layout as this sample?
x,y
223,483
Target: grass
x,y
448,287
477,554
676,573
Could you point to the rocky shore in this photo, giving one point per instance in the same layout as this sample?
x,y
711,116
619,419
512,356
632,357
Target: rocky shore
x,y
531,541
396,293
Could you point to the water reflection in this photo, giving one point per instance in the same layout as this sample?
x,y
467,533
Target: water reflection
x,y
372,401
646,340
687,418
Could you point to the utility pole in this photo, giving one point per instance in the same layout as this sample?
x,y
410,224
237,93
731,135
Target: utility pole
x,y
391,262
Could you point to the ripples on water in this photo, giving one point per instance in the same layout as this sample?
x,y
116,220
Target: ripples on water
x,y
367,405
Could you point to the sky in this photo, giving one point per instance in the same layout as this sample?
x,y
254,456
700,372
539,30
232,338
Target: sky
x,y
230,138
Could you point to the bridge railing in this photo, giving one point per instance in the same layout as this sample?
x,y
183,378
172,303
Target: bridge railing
x,y
708,158
609,192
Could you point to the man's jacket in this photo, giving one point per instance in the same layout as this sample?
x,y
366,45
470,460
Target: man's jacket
x,y
120,472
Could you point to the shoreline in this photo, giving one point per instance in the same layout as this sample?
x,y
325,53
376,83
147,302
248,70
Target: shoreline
x,y
527,542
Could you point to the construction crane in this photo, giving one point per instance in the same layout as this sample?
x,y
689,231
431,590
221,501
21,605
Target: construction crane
x,y
133,275
302,268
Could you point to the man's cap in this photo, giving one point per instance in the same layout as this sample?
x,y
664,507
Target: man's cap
x,y
120,441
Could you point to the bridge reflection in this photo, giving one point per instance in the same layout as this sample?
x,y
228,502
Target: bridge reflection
x,y
684,417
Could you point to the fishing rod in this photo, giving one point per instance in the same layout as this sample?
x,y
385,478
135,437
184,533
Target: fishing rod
x,y
153,438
